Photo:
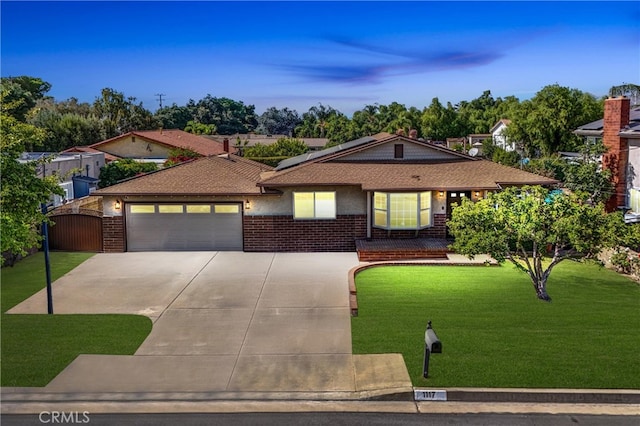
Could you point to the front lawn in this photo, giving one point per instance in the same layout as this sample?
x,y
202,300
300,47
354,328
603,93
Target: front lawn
x,y
35,348
496,333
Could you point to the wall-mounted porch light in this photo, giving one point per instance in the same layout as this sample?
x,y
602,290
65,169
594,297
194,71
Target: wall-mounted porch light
x,y
247,205
477,194
441,194
117,205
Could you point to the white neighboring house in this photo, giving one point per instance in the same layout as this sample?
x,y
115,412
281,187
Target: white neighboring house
x,y
499,138
78,172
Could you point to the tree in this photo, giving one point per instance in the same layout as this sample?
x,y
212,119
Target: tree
x,y
67,130
174,117
545,123
631,91
119,170
120,115
200,128
227,115
22,192
315,121
534,228
276,152
20,95
276,121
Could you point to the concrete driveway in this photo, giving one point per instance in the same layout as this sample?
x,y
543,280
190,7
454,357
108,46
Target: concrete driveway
x,y
223,322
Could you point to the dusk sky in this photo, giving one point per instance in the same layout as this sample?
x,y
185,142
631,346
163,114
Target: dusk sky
x,y
341,54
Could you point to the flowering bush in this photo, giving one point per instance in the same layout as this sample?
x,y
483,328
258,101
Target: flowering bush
x,y
626,261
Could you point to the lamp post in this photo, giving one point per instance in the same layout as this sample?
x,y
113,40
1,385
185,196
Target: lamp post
x,y
45,247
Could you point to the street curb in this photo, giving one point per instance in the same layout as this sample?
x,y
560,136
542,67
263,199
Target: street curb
x,y
489,395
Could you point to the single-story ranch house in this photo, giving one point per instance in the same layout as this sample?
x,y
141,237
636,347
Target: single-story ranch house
x,y
377,187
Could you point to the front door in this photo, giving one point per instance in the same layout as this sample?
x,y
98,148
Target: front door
x,y
455,197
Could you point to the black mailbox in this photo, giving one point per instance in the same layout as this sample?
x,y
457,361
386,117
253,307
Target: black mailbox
x,y
431,345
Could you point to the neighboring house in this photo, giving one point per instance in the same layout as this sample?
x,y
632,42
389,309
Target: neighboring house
x,y
620,133
78,172
150,145
377,187
85,149
250,139
499,138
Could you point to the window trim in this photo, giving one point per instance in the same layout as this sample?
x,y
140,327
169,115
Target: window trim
x,y
398,151
315,206
388,214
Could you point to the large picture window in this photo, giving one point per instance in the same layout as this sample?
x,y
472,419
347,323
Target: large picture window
x,y
314,205
402,210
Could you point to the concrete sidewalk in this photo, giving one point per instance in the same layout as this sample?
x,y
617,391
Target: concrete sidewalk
x,y
224,322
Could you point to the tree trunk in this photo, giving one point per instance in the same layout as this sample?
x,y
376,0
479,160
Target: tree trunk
x,y
541,290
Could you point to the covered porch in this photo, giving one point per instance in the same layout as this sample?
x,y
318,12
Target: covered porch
x,y
385,249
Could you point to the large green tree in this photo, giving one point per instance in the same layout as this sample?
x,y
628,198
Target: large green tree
x,y
20,95
276,121
227,115
545,123
120,114
22,192
533,228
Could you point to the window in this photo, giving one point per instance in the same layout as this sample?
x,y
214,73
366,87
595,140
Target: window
x,y
402,210
226,208
142,208
314,205
398,151
198,208
170,208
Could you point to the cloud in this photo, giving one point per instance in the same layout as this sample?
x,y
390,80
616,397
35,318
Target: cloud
x,y
374,63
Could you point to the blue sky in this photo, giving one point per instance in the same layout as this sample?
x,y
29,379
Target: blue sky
x,y
342,54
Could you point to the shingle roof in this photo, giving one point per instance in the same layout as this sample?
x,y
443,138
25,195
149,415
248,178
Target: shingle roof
x,y
107,156
204,176
480,174
174,138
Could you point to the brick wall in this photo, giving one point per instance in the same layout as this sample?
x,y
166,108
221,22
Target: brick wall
x,y
283,233
616,117
438,230
113,237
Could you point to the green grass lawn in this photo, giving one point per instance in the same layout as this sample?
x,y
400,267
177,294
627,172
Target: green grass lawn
x,y
496,333
35,348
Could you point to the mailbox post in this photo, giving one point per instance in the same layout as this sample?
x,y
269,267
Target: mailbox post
x,y
431,345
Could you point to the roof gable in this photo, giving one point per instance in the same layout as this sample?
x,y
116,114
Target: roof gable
x,y
224,175
170,139
376,148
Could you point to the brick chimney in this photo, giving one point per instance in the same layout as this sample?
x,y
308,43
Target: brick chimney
x,y
616,117
225,145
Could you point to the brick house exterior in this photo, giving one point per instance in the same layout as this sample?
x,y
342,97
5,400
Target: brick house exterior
x,y
379,187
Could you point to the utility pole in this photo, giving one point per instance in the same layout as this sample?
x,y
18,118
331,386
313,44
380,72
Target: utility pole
x,y
160,95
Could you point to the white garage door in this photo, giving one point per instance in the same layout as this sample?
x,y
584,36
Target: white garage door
x,y
185,226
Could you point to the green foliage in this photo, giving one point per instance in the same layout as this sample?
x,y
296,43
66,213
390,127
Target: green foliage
x,y
173,117
20,94
545,123
22,192
525,225
67,130
228,116
200,128
276,121
272,154
119,170
180,155
120,115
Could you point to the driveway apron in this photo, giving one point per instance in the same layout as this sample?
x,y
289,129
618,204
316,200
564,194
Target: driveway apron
x,y
238,322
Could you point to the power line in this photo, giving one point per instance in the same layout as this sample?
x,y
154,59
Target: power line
x,y
160,95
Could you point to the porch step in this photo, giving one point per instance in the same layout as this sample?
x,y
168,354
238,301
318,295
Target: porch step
x,y
402,249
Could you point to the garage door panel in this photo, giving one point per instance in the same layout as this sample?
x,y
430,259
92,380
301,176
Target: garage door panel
x,y
198,227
